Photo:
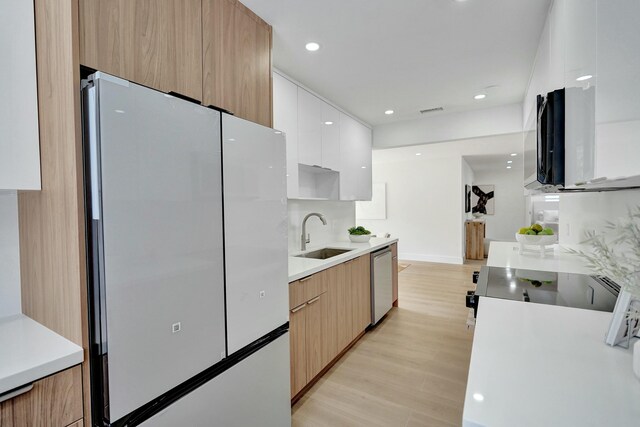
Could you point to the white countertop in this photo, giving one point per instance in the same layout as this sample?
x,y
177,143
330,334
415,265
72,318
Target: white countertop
x,y
544,365
302,267
29,351
506,254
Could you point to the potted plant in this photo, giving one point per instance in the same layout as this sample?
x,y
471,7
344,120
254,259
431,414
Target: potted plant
x,y
359,234
615,253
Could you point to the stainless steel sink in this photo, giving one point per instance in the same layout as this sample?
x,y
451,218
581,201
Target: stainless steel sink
x,y
324,253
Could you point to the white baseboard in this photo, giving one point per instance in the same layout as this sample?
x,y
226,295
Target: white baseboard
x,y
430,258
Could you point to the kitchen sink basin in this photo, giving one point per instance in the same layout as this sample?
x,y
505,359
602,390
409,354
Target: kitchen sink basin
x,y
324,253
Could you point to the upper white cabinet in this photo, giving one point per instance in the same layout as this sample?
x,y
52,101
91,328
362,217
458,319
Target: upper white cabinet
x,y
309,128
590,47
330,137
19,137
617,113
285,119
328,152
355,153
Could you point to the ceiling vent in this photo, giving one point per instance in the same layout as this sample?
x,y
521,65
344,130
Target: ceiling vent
x,y
431,110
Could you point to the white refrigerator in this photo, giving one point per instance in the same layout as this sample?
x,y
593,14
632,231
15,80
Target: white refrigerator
x,y
187,261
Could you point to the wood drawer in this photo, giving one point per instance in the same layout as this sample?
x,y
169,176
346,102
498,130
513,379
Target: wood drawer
x,y
306,288
55,401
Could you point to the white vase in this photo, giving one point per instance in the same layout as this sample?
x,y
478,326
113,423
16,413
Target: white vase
x,y
636,359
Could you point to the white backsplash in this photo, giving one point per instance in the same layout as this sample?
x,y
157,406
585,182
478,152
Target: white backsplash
x,y
9,255
580,213
339,215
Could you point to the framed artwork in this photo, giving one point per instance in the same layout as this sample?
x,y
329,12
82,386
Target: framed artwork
x,y
482,199
467,198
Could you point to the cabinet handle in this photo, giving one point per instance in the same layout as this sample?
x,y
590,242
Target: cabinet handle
x,y
305,279
17,392
350,261
311,301
298,308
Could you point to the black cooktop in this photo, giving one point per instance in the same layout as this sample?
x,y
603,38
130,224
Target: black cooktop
x,y
545,287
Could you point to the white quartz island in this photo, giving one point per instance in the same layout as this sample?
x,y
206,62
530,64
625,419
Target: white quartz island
x,y
507,254
543,365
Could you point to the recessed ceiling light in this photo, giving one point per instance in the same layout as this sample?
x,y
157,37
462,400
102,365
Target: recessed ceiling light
x,y
510,161
418,154
508,167
583,78
363,167
278,132
478,397
480,96
119,111
514,154
312,46
389,112
328,123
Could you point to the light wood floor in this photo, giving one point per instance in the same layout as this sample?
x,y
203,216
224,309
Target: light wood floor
x,y
411,370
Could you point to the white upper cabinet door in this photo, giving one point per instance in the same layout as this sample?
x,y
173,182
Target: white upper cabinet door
x,y
19,138
309,128
330,137
355,154
285,119
618,90
580,89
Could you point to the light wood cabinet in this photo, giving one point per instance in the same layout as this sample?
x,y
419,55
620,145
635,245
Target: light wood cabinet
x,y
236,60
156,43
297,342
335,309
474,239
55,401
360,287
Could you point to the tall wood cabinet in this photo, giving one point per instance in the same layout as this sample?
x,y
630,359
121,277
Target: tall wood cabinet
x,y
156,43
217,52
237,60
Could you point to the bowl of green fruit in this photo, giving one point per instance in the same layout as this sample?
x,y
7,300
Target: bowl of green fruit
x,y
536,235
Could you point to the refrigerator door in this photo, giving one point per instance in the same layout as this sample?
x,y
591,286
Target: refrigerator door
x,y
255,223
254,392
158,164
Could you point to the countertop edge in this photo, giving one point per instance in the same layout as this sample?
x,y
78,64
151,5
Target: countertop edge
x,y
70,356
332,262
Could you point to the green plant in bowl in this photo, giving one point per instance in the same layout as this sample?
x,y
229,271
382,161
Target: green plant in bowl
x,y
358,231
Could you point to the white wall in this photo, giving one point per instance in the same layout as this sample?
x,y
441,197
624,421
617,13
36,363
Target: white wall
x,y
425,205
340,216
510,203
590,211
9,255
441,127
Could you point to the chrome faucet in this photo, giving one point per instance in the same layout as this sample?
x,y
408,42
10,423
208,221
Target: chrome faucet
x,y
306,238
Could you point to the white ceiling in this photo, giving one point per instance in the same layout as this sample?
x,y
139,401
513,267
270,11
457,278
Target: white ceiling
x,y
407,55
495,163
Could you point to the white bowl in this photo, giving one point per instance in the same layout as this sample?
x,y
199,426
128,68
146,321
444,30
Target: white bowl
x,y
364,238
530,239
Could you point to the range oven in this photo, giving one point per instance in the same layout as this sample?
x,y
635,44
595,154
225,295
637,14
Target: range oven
x,y
544,287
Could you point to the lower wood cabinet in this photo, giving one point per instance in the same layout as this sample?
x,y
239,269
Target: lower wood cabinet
x,y
328,311
55,401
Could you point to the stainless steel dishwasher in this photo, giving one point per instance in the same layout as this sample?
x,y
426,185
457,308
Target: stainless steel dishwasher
x,y
381,284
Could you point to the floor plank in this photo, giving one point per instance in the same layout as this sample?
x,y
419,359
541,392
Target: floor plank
x,y
411,370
